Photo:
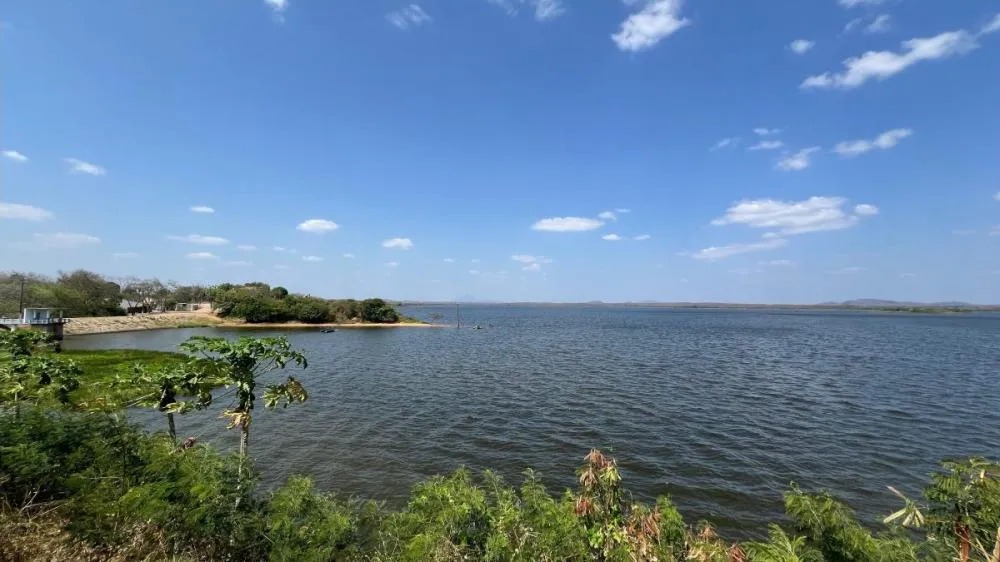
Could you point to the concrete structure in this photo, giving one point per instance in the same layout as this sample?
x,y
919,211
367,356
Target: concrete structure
x,y
41,319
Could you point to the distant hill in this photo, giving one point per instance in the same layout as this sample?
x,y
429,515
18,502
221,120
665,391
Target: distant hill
x,y
881,303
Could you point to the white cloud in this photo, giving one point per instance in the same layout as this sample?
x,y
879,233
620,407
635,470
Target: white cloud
x,y
317,226
853,24
880,24
778,263
80,167
847,270
607,215
719,252
880,65
312,258
657,20
125,255
473,272
409,16
853,3
202,209
65,240
885,141
449,260
23,212
996,197
728,141
544,9
906,275
15,156
865,210
398,243
527,259
531,263
278,7
623,211
548,9
567,224
991,27
995,231
202,256
793,217
392,264
801,46
611,237
246,247
279,248
797,161
475,260
199,239
642,237
767,145
764,131
238,263
348,255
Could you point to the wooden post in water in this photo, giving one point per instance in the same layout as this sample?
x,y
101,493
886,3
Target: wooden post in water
x,y
458,315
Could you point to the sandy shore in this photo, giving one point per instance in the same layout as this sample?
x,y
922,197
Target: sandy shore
x,y
109,324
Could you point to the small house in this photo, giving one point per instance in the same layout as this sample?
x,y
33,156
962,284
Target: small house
x,y
37,316
37,319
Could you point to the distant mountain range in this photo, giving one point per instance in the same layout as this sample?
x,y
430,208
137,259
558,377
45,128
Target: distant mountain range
x,y
881,303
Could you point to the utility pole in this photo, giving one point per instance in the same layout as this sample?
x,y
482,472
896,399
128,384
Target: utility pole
x,y
20,302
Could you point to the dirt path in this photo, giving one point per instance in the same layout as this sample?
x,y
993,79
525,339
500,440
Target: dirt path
x,y
197,319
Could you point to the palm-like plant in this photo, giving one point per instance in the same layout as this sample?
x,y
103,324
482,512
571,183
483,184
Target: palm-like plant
x,y
193,380
241,363
782,548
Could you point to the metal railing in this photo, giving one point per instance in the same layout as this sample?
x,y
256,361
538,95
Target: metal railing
x,y
32,321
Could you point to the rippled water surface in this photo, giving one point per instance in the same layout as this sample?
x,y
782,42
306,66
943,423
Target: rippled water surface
x,y
719,409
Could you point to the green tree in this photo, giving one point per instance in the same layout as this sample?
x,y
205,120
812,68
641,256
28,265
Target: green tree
x,y
378,311
148,294
194,380
85,293
242,363
27,376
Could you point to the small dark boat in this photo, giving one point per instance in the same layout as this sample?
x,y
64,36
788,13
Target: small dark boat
x,y
328,330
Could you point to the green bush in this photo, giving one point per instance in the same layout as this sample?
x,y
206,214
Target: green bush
x,y
378,311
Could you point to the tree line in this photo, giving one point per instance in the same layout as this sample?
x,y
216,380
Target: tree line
x,y
84,293
259,302
78,482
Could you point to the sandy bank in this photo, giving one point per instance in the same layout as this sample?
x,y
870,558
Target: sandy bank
x,y
109,324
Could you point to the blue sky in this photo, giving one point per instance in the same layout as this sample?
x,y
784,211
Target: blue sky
x,y
550,150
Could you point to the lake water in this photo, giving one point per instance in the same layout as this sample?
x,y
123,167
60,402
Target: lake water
x,y
719,409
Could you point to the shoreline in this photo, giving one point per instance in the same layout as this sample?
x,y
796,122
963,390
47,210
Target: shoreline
x,y
176,320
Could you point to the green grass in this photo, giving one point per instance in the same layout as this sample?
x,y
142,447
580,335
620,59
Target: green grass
x,y
101,365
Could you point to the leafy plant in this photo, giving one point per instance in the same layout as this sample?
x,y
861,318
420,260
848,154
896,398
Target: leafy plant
x,y
241,363
194,379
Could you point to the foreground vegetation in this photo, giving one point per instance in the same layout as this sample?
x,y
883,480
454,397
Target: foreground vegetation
x,y
78,482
